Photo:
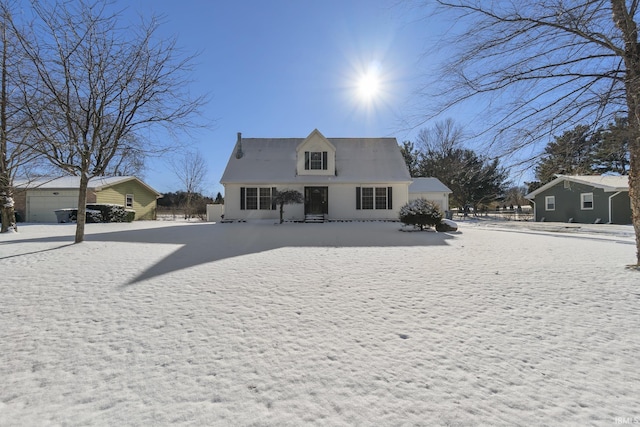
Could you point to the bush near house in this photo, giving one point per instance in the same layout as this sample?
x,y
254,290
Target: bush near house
x,y
98,213
421,213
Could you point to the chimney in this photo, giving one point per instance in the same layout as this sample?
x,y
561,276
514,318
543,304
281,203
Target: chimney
x,y
239,152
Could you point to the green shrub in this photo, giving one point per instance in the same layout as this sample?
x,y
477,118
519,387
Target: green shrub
x,y
421,213
110,212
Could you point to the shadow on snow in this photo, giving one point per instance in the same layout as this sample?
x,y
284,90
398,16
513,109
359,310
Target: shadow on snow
x,y
208,242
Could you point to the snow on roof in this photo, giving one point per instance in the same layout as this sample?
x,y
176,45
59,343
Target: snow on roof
x,y
273,160
73,182
608,183
428,185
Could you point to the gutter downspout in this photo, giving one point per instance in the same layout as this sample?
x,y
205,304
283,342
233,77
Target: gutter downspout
x,y
611,197
534,210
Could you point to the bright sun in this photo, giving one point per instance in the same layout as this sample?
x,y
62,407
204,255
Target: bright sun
x,y
369,86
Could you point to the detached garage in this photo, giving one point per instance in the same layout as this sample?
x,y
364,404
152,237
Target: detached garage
x,y
431,189
37,200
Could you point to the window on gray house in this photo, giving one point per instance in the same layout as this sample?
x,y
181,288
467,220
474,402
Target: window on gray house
x,y
550,203
586,199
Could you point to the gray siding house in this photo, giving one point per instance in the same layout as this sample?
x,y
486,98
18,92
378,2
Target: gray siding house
x,y
583,199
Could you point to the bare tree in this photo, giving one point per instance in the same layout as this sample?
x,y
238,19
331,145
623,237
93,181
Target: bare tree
x,y
15,154
287,197
98,85
443,137
538,68
191,170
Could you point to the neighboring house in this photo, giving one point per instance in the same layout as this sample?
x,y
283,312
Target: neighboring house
x,y
431,189
37,200
583,199
340,178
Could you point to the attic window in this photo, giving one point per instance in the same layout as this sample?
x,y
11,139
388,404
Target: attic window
x,y
128,201
315,160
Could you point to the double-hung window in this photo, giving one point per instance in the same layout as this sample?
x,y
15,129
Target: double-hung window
x,y
257,198
550,203
128,201
315,160
373,198
586,201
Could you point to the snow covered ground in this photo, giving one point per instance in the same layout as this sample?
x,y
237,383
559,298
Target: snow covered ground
x,y
156,323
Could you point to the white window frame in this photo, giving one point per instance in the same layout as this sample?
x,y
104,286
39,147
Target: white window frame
x,y
128,201
583,200
547,200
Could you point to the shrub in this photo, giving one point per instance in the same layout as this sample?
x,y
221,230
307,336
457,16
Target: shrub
x,y
110,212
421,213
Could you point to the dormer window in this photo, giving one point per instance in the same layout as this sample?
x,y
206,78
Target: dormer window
x,y
315,160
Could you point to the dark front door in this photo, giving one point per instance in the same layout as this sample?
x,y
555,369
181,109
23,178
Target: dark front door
x,y
316,200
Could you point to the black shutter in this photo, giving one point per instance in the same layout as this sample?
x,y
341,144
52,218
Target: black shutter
x,y
306,160
242,197
273,198
324,160
389,198
357,197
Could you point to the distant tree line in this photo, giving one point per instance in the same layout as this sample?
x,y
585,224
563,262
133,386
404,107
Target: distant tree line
x,y
183,203
585,151
475,180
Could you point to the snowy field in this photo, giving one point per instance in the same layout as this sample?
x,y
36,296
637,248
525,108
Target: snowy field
x,y
339,324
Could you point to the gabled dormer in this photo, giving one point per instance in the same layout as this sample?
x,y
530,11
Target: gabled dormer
x,y
316,156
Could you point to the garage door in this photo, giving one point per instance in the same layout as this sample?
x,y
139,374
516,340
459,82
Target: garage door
x,y
41,208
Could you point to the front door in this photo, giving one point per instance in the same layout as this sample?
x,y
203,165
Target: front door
x,y
316,200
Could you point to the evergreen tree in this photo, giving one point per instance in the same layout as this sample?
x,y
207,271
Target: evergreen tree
x,y
572,153
474,180
421,213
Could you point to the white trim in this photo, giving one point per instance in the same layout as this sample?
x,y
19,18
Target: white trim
x,y
126,201
546,203
582,201
610,207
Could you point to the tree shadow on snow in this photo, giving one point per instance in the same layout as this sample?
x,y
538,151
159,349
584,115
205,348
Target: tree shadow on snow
x,y
208,242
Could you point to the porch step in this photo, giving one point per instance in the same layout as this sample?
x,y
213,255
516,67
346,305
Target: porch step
x,y
314,218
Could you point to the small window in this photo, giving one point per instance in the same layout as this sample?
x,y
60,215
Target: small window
x,y
252,198
550,203
367,198
128,201
381,198
315,160
586,200
265,198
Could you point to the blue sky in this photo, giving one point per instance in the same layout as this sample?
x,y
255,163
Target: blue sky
x,y
281,68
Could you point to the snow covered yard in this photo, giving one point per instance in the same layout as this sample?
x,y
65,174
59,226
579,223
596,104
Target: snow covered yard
x,y
155,323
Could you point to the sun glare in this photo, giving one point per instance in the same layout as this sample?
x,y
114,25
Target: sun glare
x,y
369,86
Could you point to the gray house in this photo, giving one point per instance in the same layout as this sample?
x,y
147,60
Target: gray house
x,y
583,199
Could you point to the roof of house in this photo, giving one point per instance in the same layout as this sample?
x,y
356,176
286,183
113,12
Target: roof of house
x,y
428,185
273,160
608,183
73,182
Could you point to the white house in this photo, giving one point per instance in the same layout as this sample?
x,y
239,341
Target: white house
x,y
431,189
340,178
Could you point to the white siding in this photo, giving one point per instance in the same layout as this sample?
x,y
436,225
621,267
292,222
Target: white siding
x,y
342,203
442,199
